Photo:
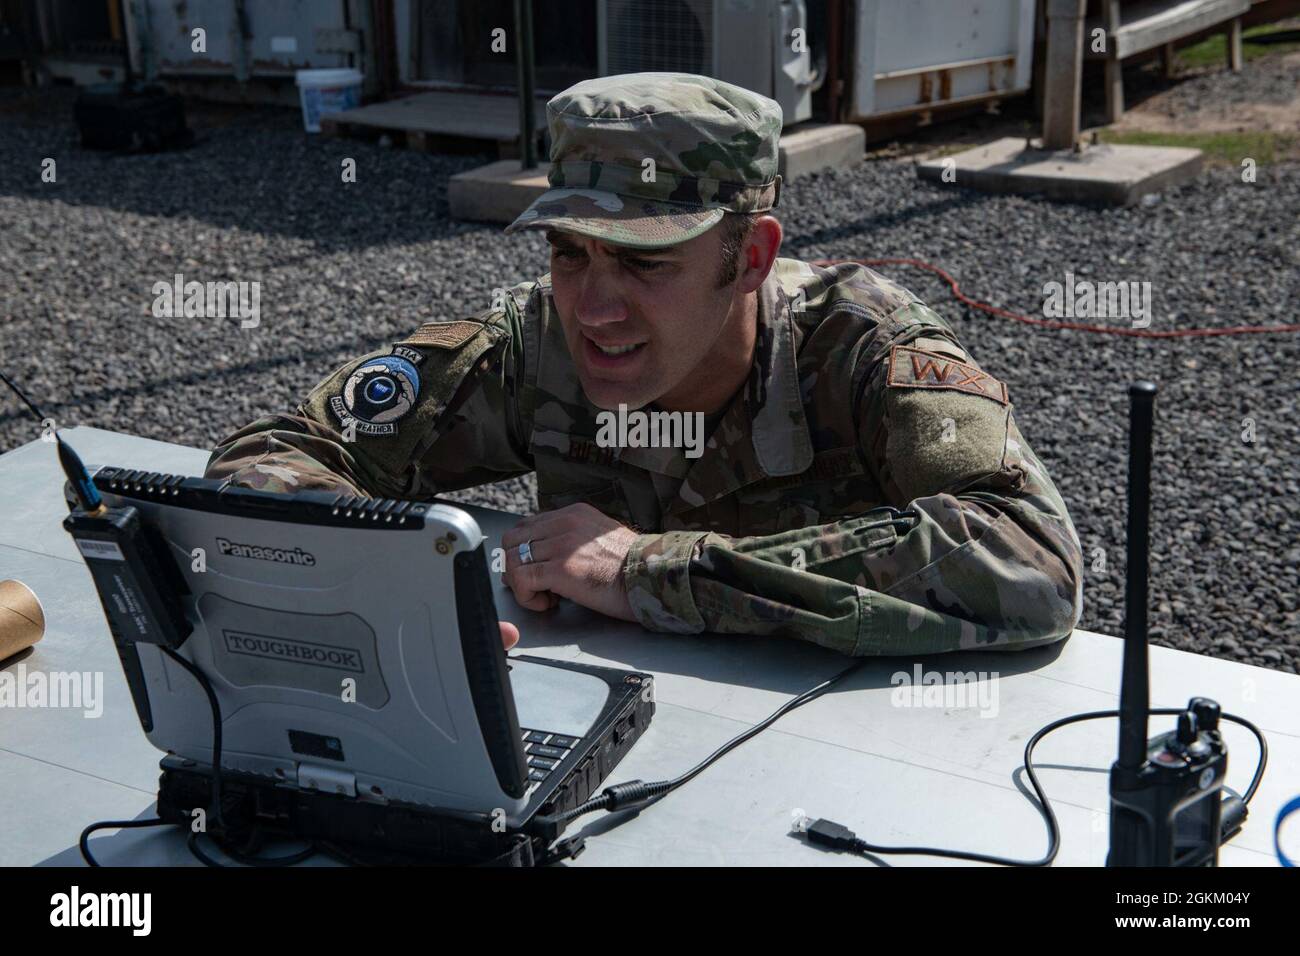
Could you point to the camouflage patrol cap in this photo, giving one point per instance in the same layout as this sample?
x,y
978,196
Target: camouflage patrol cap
x,y
654,159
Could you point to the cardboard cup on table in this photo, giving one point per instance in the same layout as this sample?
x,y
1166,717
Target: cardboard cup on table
x,y
22,621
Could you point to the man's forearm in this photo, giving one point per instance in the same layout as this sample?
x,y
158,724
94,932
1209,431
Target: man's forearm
x,y
969,574
287,453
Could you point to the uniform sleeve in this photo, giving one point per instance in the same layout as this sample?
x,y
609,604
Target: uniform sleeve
x,y
975,548
436,412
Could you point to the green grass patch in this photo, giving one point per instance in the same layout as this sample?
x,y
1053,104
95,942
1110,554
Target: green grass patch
x,y
1220,148
948,149
1213,51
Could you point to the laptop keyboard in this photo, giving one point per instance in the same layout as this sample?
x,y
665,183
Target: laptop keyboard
x,y
544,752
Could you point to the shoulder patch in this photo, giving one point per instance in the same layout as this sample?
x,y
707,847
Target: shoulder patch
x,y
414,356
377,394
443,335
916,368
934,344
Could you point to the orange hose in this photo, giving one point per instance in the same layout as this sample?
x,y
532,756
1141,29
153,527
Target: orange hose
x,y
1054,323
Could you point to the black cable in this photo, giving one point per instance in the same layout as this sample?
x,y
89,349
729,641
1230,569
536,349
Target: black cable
x,y
637,794
69,460
289,859
838,837
191,844
84,842
1173,712
217,822
23,395
215,808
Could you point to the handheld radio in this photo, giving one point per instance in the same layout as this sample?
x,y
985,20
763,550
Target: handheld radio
x,y
1166,793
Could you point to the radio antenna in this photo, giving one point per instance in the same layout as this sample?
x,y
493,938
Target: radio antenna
x,y
1134,694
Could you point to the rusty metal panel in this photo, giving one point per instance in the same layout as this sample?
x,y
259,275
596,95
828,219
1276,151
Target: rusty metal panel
x,y
244,37
169,26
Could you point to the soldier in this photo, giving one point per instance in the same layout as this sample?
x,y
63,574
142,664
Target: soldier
x,y
863,486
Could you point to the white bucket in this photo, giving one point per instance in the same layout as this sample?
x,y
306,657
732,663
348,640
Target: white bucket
x,y
327,91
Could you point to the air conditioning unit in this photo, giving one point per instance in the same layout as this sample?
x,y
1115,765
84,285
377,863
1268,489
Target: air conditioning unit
x,y
762,45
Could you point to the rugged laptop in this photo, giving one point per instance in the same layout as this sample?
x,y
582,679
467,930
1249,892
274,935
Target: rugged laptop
x,y
354,649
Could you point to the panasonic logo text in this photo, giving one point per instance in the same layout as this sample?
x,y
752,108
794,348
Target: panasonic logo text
x,y
280,555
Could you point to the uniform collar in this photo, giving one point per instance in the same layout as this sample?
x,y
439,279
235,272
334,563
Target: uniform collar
x,y
764,432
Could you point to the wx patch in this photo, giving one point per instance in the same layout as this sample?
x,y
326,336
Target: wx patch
x,y
917,368
443,335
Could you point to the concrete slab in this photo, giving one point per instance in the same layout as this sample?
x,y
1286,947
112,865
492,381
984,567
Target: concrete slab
x,y
441,112
809,147
500,191
497,192
1105,173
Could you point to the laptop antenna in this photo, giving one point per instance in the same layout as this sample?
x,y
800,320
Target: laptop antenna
x,y
87,495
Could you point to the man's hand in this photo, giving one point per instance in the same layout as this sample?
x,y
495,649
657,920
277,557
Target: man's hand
x,y
578,553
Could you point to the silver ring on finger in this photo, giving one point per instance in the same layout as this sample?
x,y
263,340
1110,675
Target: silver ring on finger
x,y
526,552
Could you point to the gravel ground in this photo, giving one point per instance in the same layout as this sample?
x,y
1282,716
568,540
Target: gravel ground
x,y
1270,79
1263,96
346,268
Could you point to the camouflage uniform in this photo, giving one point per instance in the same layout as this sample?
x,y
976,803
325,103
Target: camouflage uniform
x,y
867,489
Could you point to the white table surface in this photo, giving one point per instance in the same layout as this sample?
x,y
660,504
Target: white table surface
x,y
897,775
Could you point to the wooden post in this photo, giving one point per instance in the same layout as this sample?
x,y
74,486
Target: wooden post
x,y
1114,68
1168,58
1061,88
1233,36
524,64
